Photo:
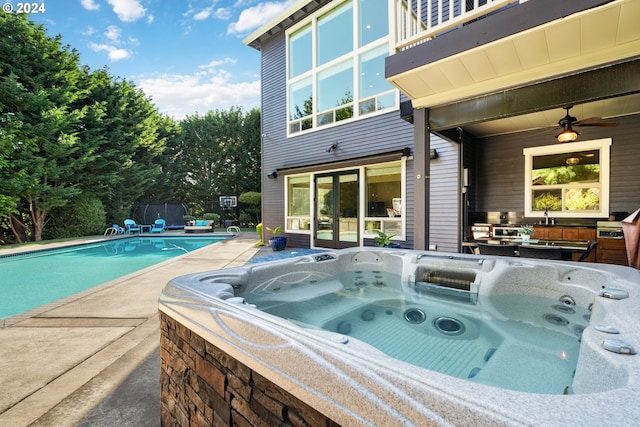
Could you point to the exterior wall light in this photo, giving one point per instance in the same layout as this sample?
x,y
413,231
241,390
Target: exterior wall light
x,y
272,175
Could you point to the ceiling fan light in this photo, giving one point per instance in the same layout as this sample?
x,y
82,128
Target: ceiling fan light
x,y
567,135
572,161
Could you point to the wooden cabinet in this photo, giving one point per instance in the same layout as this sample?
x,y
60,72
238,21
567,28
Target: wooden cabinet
x,y
612,251
564,233
567,233
547,233
578,233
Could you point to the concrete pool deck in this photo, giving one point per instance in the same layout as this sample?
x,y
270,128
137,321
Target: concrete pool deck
x,y
61,361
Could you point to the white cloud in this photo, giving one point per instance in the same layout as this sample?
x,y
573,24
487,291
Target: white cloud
x,y
90,4
127,10
223,14
203,14
213,65
255,16
212,88
115,54
90,31
113,33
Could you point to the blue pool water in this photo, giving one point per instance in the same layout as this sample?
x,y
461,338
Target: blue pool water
x,y
30,280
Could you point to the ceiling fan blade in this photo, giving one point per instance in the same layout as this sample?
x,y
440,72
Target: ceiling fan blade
x,y
587,119
608,124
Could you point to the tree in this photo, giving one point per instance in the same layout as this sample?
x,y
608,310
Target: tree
x,y
215,154
37,82
68,131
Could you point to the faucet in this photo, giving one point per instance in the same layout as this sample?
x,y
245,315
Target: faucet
x,y
546,216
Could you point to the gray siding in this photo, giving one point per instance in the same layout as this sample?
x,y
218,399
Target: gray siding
x,y
444,215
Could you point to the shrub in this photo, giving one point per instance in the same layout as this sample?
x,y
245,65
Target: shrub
x,y
83,216
212,217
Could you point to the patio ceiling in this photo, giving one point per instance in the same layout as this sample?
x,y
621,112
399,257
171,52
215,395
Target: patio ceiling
x,y
548,119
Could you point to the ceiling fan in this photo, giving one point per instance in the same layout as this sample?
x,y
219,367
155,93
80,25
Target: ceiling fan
x,y
568,134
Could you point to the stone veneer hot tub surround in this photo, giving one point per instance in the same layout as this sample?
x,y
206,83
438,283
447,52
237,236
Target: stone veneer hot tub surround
x,y
269,369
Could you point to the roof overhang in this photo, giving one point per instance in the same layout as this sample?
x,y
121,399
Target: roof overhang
x,y
516,48
290,16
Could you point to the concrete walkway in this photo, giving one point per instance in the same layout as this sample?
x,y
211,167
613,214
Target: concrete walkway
x,y
62,362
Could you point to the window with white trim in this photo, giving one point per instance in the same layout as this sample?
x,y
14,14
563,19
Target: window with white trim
x,y
382,200
335,66
568,180
298,203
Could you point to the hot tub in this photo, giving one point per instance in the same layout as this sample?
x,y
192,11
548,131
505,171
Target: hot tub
x,y
366,336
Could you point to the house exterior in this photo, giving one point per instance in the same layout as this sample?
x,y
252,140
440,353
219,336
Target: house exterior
x,y
418,118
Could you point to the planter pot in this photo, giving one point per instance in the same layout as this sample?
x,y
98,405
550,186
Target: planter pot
x,y
392,246
526,236
278,243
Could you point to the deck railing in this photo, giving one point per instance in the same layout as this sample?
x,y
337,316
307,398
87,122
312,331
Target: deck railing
x,y
417,21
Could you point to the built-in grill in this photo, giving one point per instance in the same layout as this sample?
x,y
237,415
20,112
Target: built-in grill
x,y
609,230
506,232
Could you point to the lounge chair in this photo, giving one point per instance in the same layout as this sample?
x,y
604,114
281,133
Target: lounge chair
x,y
158,226
199,226
131,226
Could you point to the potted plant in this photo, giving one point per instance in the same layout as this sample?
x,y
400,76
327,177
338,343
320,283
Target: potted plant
x,y
188,219
384,240
526,231
277,243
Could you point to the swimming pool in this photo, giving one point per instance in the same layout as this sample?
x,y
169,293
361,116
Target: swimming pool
x,y
32,279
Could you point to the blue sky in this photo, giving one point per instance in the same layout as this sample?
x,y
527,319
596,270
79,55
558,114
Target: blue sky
x,y
187,55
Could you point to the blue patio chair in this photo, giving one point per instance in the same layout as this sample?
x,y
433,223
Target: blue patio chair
x,y
131,226
158,226
119,230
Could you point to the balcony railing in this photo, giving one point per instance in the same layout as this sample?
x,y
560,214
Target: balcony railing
x,y
418,21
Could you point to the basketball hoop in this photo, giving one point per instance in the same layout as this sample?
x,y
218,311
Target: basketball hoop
x,y
228,202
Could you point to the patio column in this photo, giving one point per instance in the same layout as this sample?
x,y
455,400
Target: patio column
x,y
421,164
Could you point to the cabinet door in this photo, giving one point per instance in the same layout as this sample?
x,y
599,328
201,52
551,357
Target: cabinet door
x,y
587,234
539,233
612,251
571,234
554,233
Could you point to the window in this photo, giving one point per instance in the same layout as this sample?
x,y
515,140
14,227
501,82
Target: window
x,y
335,93
335,65
568,180
380,194
300,106
373,20
383,199
335,33
300,51
298,202
375,93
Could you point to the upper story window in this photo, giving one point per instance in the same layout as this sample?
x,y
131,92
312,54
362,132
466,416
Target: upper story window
x,y
335,33
568,180
335,64
300,51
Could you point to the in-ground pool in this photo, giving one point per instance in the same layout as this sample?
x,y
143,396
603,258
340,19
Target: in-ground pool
x,y
32,279
399,337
